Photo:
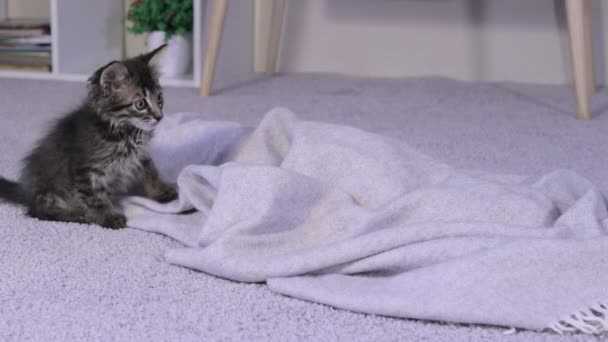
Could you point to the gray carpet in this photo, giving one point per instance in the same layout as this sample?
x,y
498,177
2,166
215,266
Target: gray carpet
x,y
59,281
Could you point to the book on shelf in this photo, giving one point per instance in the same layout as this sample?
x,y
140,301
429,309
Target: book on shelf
x,y
21,33
36,39
24,23
24,28
17,67
25,58
24,48
25,44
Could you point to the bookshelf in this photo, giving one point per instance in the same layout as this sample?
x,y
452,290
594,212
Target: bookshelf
x,y
88,33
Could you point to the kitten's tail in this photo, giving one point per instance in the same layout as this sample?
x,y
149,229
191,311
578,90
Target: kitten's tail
x,y
11,191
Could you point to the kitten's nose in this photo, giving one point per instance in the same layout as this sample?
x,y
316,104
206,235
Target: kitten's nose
x,y
158,116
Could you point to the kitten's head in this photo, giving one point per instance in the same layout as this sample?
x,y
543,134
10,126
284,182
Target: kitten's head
x,y
127,93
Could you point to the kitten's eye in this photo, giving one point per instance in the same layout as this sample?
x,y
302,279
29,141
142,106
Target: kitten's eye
x,y
160,100
140,104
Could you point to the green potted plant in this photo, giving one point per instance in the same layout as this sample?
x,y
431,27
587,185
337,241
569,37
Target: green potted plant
x,y
165,21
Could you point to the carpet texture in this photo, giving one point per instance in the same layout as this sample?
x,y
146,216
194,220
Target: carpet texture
x,y
77,282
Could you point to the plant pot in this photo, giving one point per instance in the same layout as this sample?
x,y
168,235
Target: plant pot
x,y
177,58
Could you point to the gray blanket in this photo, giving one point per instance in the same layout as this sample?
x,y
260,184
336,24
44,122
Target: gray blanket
x,y
340,216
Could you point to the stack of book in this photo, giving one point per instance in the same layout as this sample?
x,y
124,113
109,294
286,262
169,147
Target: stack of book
x,y
25,44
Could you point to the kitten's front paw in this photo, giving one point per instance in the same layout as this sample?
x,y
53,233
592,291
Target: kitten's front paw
x,y
166,194
114,221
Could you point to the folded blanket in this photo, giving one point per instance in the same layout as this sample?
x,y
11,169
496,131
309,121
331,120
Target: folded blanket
x,y
339,216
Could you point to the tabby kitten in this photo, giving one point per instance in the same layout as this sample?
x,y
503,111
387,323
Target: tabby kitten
x,y
97,152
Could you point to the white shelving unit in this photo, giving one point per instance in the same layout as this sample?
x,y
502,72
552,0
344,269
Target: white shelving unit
x,y
87,34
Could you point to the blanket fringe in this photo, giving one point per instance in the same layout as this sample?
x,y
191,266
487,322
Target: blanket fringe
x,y
593,320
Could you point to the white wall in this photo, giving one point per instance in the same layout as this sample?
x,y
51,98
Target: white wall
x,y
521,40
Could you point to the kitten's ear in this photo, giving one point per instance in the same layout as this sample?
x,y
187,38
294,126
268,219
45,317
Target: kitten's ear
x,y
153,57
112,75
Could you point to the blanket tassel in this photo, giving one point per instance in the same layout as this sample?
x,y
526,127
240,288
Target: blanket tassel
x,y
593,320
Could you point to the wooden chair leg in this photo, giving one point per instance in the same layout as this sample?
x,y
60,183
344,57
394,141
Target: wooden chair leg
x,y
274,35
214,37
588,20
579,26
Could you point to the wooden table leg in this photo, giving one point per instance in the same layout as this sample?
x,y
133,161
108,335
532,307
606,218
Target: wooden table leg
x,y
274,35
214,37
579,26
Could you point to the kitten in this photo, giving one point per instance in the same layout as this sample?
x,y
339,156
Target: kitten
x,y
97,152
